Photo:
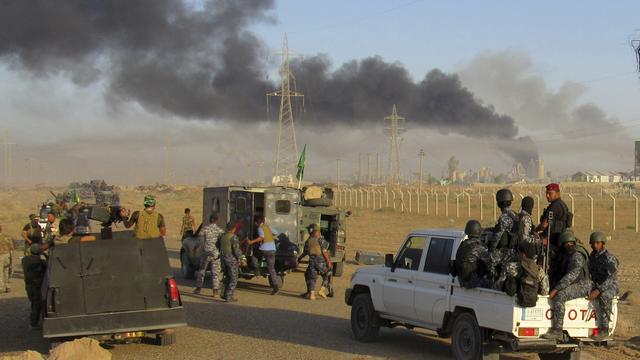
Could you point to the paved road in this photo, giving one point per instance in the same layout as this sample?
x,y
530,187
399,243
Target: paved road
x,y
259,325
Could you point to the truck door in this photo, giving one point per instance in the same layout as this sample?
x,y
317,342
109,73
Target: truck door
x,y
241,209
398,289
215,201
433,281
282,211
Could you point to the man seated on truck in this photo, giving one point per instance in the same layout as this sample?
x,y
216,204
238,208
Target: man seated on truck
x,y
502,245
472,262
149,223
603,267
575,282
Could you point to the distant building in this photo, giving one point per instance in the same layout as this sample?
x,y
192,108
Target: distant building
x,y
598,177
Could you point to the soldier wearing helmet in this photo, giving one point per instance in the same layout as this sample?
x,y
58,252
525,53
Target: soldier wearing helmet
x,y
503,252
319,264
472,262
148,223
603,267
574,282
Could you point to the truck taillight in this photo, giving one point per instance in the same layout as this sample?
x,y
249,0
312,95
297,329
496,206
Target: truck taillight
x,y
174,293
594,332
528,332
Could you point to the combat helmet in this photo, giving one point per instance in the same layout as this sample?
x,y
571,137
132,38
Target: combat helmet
x,y
149,201
598,236
473,228
567,237
504,195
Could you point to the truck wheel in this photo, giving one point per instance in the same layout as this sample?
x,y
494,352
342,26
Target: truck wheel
x,y
466,340
569,355
338,268
166,338
185,269
365,322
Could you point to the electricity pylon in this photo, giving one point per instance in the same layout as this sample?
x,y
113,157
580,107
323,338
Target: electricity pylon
x,y
394,130
286,148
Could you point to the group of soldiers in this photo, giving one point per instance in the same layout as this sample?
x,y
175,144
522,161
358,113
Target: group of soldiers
x,y
223,257
527,261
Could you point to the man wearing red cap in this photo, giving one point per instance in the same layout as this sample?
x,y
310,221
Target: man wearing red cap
x,y
560,221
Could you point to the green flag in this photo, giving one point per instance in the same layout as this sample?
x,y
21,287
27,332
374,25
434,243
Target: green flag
x,y
301,161
76,196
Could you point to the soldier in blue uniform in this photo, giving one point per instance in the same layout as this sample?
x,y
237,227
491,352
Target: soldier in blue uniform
x,y
319,264
603,267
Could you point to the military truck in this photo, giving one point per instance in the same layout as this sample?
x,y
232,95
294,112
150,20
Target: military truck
x,y
113,288
288,210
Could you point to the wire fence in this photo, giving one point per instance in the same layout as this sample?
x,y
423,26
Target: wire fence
x,y
605,208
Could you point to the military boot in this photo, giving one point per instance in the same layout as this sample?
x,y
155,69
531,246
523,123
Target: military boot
x,y
323,292
312,295
553,334
603,333
197,290
215,293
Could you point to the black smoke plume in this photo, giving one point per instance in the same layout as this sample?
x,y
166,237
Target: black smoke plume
x,y
202,62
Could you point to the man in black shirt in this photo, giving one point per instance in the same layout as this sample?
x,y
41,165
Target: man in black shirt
x,y
34,267
561,216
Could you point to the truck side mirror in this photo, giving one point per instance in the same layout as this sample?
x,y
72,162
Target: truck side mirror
x,y
388,261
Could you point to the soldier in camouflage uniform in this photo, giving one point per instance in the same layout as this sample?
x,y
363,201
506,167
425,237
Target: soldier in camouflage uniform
x,y
231,257
574,284
319,263
528,230
188,224
6,246
603,267
473,262
503,257
210,255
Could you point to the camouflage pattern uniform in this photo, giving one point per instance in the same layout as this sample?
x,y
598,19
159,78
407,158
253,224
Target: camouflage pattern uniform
x,y
504,260
317,265
231,255
527,224
210,256
573,285
472,264
603,267
6,245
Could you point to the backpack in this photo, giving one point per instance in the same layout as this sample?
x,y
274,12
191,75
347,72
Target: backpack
x,y
528,284
510,239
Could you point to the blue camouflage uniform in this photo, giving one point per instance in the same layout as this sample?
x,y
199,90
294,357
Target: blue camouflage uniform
x,y
472,264
317,264
504,260
603,267
210,256
573,285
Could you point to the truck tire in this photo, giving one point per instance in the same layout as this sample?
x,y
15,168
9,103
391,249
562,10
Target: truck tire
x,y
568,355
466,339
166,338
338,268
186,269
365,322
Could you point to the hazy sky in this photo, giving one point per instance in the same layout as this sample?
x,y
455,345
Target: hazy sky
x,y
564,72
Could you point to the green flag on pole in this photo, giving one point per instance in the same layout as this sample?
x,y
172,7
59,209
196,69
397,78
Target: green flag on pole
x,y
301,161
76,196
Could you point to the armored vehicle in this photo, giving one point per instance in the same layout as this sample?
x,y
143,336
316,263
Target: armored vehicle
x,y
288,210
115,287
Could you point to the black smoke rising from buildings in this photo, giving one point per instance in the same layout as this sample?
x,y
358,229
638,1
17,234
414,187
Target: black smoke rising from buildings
x,y
203,63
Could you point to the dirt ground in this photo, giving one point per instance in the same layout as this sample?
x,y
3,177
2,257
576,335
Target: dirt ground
x,y
286,326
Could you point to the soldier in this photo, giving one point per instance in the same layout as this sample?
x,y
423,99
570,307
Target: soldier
x,y
188,224
319,263
574,283
231,257
550,230
266,238
148,223
501,244
34,267
31,233
51,228
6,246
603,267
472,259
528,230
210,256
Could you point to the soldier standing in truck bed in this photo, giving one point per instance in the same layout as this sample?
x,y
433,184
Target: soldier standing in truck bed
x,y
603,266
148,223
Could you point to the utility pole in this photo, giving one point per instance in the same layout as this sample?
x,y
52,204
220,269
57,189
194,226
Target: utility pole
x,y
377,168
338,174
394,150
8,160
287,148
421,156
359,168
368,169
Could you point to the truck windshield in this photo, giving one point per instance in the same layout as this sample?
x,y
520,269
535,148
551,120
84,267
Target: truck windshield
x,y
410,255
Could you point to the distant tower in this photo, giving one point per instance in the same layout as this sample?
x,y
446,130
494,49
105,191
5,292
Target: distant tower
x,y
394,130
287,148
540,169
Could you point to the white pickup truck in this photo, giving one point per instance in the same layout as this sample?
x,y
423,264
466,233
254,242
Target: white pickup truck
x,y
415,289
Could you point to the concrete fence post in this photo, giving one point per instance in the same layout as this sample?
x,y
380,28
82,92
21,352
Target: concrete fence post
x,y
409,194
481,206
590,211
573,209
446,204
635,199
418,201
458,205
386,195
427,201
468,205
436,194
401,200
613,213
361,198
